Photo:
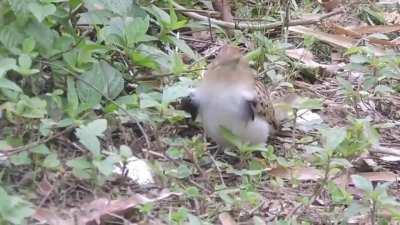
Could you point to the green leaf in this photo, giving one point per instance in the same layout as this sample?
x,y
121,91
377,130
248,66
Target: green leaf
x,y
41,11
7,64
18,6
28,45
174,92
88,135
340,162
95,17
105,166
101,78
20,159
175,153
362,183
120,7
125,152
72,98
358,59
162,59
25,61
143,60
149,100
10,85
183,171
230,137
135,30
11,37
194,220
81,168
332,137
31,107
41,149
181,45
14,209
51,161
43,35
192,192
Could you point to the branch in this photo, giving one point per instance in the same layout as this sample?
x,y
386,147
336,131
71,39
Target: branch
x,y
254,26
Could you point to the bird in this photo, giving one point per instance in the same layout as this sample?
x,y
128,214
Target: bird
x,y
228,96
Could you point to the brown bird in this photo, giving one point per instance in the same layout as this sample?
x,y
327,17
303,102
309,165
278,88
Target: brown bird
x,y
229,96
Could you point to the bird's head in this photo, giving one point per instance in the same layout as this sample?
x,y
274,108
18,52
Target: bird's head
x,y
227,54
229,66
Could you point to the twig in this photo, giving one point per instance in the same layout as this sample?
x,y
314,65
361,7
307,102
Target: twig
x,y
208,12
19,149
153,77
255,26
218,169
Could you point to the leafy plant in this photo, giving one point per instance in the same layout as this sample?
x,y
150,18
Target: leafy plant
x,y
14,209
375,200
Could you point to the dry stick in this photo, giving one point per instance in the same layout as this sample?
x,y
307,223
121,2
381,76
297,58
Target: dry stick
x,y
145,78
218,169
19,149
255,26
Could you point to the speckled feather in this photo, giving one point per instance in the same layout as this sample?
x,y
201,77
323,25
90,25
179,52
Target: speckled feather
x,y
229,96
264,104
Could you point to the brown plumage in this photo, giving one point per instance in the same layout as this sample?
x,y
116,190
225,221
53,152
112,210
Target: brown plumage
x,y
229,96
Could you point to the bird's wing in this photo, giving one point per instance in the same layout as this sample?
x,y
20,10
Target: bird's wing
x,y
264,104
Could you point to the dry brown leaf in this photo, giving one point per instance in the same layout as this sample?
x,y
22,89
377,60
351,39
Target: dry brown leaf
x,y
386,176
300,173
226,219
307,58
337,29
384,42
44,186
376,29
47,216
337,40
99,209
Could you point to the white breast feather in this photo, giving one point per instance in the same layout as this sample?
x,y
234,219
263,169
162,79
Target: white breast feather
x,y
227,108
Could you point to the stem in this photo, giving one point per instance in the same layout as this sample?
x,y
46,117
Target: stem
x,y
373,212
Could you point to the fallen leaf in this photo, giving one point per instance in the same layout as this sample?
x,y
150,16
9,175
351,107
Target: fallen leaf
x,y
47,216
336,40
307,58
376,29
226,219
100,209
44,186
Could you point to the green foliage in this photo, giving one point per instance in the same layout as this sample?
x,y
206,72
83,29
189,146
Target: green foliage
x,y
14,209
73,80
375,201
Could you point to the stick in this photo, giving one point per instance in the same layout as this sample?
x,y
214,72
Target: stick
x,y
254,26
